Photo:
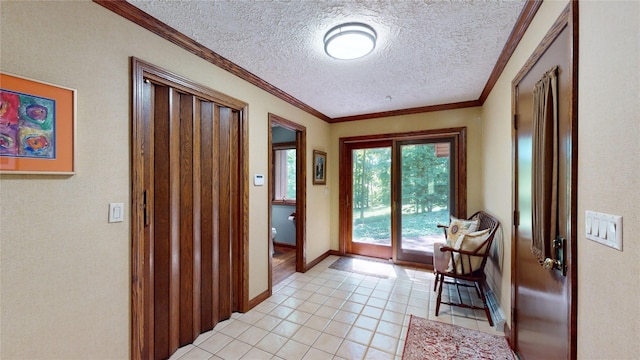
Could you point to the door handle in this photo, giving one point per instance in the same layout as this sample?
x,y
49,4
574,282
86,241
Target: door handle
x,y
559,245
549,264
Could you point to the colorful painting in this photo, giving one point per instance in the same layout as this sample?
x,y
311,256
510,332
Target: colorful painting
x,y
37,127
27,125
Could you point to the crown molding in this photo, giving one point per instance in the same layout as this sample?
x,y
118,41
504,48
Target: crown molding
x,y
139,17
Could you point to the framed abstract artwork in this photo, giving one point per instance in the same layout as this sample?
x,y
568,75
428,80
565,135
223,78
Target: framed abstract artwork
x,y
37,127
319,167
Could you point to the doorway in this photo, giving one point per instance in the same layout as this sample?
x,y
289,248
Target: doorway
x,y
287,198
395,190
543,298
189,217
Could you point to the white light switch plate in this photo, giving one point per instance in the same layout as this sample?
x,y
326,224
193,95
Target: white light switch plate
x,y
116,212
604,228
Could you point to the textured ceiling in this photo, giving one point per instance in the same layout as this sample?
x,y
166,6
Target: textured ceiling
x,y
427,52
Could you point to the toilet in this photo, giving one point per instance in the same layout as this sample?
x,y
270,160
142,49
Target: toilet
x,y
273,239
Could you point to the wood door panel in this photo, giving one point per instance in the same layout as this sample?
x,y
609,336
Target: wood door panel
x,y
186,220
206,206
216,289
190,263
161,223
173,146
543,312
197,217
224,260
377,251
185,229
148,327
234,183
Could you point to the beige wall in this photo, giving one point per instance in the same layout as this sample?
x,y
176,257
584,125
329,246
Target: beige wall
x,y
469,118
609,178
608,169
65,279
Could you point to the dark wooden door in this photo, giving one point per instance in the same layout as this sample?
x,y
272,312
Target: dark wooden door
x,y
188,212
543,303
191,179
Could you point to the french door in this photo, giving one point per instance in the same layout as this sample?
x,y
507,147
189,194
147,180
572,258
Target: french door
x,y
423,183
396,190
369,199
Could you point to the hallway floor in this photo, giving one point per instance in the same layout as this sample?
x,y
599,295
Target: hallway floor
x,y
283,263
333,314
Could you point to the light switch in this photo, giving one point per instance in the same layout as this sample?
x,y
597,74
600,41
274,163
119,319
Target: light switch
x,y
611,231
602,232
604,228
616,228
116,212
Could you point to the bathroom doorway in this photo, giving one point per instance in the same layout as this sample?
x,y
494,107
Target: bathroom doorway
x,y
287,195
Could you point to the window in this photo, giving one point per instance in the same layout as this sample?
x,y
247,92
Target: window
x,y
284,173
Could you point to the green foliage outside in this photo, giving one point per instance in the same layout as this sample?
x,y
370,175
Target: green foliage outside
x,y
424,191
425,178
291,174
376,225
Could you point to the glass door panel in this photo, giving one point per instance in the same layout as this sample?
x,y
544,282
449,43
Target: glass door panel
x,y
394,193
424,197
371,201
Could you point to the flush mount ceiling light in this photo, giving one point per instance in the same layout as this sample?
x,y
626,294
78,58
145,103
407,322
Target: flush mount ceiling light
x,y
350,41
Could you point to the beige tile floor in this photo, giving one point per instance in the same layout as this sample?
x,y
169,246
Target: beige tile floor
x,y
331,314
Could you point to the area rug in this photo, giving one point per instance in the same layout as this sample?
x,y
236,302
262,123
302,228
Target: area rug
x,y
380,268
428,339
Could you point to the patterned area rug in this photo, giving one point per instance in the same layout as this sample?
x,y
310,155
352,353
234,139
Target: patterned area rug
x,y
428,339
381,269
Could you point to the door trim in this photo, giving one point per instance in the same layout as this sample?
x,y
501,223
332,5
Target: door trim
x,y
301,190
141,266
568,18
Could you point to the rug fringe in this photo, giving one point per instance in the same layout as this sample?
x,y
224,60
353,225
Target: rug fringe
x,y
430,339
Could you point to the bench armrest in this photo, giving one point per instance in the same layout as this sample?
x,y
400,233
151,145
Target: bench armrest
x,y
444,229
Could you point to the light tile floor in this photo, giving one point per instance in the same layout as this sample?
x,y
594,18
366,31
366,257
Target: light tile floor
x,y
331,314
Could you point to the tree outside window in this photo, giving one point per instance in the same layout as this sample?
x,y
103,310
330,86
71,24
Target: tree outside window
x,y
284,175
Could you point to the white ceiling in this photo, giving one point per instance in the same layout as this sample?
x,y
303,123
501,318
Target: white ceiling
x,y
428,52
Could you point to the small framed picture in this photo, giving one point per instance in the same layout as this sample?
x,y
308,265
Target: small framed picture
x,y
319,167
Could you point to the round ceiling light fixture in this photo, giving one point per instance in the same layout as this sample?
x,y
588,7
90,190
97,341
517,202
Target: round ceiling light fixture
x,y
350,41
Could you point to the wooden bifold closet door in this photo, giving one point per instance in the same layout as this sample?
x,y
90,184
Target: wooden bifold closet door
x,y
191,216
